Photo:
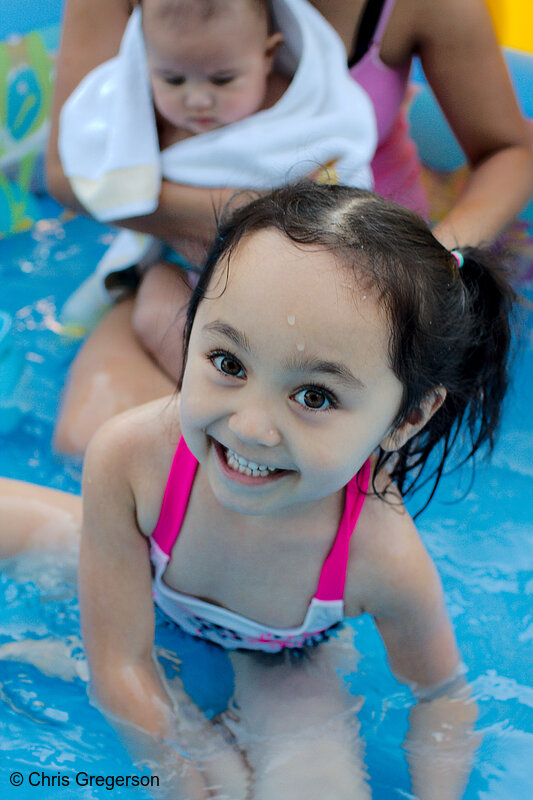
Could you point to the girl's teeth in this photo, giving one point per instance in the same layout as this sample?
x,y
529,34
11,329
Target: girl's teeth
x,y
240,464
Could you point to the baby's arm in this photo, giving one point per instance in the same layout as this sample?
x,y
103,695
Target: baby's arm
x,y
118,616
404,594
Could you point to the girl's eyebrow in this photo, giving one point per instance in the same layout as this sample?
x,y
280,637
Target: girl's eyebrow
x,y
300,362
309,364
238,338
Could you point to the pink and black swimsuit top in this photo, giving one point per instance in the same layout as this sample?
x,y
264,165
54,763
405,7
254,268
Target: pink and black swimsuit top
x,y
227,628
396,167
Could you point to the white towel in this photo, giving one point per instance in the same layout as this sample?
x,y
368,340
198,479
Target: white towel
x,y
108,136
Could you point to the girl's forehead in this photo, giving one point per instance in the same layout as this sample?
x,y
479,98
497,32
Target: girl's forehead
x,y
271,283
269,259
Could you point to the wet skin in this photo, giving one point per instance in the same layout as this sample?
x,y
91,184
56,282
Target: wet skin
x,y
290,375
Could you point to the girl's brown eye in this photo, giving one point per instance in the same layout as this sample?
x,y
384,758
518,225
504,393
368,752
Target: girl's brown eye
x,y
230,366
314,399
227,365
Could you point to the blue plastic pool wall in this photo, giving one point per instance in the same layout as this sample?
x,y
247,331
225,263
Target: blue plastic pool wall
x,y
482,544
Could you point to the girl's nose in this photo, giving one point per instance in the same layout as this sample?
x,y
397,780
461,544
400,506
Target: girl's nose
x,y
255,425
198,98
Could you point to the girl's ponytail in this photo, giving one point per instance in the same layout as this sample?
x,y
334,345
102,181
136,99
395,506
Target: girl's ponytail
x,y
489,300
469,357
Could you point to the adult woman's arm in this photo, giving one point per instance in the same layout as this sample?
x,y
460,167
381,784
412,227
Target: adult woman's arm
x,y
463,64
91,34
465,68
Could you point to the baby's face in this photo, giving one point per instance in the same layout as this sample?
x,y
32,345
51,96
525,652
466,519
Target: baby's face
x,y
208,73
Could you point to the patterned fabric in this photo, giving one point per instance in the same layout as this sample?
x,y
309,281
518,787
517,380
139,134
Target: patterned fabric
x,y
227,628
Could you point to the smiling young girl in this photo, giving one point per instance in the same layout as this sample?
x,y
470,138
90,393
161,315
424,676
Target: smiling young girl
x,y
332,345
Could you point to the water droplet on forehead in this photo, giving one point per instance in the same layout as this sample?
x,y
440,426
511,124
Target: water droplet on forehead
x,y
300,346
291,319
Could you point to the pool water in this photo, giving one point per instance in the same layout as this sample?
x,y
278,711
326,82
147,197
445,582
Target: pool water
x,y
482,544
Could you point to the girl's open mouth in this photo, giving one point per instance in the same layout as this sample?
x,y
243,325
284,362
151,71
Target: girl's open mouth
x,y
239,469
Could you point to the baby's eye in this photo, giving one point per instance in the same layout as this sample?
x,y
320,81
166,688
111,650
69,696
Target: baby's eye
x,y
315,399
221,80
174,80
227,364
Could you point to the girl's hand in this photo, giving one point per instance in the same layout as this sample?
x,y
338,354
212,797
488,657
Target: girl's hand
x,y
440,744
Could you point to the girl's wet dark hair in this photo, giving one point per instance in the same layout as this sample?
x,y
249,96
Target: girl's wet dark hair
x,y
449,327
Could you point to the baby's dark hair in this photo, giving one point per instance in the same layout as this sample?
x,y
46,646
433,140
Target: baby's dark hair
x,y
204,10
449,327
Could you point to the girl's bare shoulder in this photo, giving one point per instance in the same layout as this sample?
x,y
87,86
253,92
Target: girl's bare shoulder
x,y
388,560
132,452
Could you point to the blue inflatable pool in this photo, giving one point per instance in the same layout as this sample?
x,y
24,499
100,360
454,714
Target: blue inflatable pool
x,y
479,533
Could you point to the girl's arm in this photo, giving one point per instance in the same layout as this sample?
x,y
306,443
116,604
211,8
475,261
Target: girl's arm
x,y
117,609
422,650
91,34
125,471
411,616
464,66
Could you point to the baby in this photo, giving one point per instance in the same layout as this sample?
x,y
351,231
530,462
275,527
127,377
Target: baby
x,y
210,63
219,93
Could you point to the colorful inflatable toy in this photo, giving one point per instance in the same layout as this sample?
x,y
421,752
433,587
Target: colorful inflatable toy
x,y
26,85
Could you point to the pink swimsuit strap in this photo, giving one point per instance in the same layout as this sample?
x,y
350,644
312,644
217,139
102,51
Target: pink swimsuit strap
x,y
386,86
333,575
176,497
384,17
